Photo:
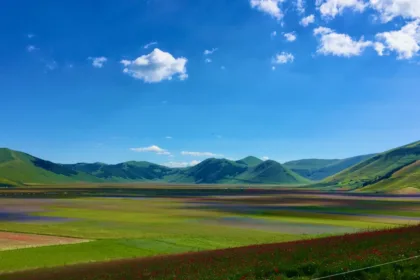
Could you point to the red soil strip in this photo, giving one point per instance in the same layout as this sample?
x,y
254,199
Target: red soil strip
x,y
11,240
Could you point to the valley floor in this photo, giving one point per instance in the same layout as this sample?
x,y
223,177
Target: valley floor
x,y
132,224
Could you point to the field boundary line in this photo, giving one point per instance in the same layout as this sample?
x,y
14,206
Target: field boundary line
x,y
360,269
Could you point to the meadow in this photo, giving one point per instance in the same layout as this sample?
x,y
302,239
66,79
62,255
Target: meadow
x,y
126,223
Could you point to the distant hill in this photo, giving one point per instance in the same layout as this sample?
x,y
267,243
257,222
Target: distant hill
x,y
213,171
405,179
17,168
271,171
318,169
250,161
395,165
126,171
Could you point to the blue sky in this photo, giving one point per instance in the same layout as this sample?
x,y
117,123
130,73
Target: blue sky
x,y
81,82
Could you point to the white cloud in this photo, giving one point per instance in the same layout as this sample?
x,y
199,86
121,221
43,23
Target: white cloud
x,y
168,137
307,20
405,42
222,67
300,6
30,35
331,8
175,164
156,67
149,45
125,62
379,48
265,158
200,154
208,52
389,9
273,68
207,60
273,34
98,62
270,7
290,37
153,149
283,58
31,48
332,43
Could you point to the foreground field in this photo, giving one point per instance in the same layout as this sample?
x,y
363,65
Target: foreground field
x,y
355,256
128,223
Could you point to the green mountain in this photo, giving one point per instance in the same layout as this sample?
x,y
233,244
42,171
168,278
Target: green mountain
x,y
405,180
213,171
380,168
318,169
270,172
17,168
250,161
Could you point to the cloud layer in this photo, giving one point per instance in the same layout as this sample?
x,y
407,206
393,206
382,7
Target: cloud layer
x,y
200,154
176,164
154,149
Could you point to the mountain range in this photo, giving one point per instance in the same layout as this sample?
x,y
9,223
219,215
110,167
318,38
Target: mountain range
x,y
18,168
395,169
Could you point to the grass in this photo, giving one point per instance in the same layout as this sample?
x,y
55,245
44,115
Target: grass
x,y
125,228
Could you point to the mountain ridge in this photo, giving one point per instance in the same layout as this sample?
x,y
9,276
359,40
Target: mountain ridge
x,y
28,169
319,169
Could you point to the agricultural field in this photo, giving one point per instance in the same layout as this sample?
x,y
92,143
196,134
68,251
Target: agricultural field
x,y
64,226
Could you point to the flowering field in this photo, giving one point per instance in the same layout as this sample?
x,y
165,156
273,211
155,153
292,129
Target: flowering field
x,y
305,259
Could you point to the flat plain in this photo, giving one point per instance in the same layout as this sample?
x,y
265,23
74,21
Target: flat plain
x,y
118,223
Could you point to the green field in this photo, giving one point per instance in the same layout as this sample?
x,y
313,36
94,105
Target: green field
x,y
133,227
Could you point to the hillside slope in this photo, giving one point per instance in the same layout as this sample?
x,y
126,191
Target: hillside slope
x,y
270,172
213,171
406,179
377,168
318,169
20,168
